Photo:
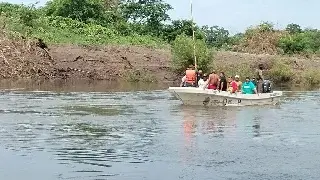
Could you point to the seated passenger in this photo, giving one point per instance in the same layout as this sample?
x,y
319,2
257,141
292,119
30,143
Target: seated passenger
x,y
191,77
253,80
189,80
232,85
213,81
239,83
199,76
248,87
223,85
202,81
183,81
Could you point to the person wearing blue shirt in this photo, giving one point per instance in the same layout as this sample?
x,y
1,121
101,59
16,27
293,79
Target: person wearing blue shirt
x,y
248,87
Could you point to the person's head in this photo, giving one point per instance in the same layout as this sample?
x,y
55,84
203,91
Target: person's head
x,y
200,72
221,74
247,79
213,72
205,76
230,79
253,79
237,77
261,66
191,67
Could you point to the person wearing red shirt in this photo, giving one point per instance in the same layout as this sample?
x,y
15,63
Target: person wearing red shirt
x,y
232,86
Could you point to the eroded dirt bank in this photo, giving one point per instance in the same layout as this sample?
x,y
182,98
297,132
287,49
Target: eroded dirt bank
x,y
25,59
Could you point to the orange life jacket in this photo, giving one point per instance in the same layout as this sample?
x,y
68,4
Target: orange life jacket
x,y
191,76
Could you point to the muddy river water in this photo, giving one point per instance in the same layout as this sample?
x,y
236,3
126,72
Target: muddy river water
x,y
136,135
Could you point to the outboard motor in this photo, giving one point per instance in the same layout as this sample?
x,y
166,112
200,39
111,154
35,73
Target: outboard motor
x,y
266,86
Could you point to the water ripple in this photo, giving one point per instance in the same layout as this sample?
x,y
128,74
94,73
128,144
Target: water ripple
x,y
150,135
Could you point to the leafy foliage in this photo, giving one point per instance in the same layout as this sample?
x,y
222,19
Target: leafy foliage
x,y
216,36
281,71
146,16
82,10
312,77
293,28
179,27
304,42
146,22
182,50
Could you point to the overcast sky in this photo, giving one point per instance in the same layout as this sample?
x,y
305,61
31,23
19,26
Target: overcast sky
x,y
237,15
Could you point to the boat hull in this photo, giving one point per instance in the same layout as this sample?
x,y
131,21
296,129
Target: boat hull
x,y
207,97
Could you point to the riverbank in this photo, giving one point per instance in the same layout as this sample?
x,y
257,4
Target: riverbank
x,y
22,59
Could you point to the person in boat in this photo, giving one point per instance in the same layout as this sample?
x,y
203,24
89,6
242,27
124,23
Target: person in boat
x,y
248,87
254,81
232,85
190,78
223,85
199,77
202,81
260,78
239,83
213,81
183,81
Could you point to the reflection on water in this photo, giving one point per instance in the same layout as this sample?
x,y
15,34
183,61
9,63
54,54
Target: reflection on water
x,y
150,135
80,85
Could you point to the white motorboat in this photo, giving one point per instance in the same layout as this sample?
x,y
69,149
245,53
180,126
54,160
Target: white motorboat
x,y
208,97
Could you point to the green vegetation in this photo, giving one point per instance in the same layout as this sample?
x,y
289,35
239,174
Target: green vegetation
x,y
139,76
311,77
281,71
144,23
182,51
147,23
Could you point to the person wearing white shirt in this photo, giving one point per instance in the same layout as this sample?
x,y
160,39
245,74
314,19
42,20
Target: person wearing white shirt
x,y
202,81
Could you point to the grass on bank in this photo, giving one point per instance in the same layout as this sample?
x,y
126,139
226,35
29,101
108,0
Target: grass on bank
x,y
140,76
60,30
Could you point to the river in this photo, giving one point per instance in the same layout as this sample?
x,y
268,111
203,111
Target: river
x,y
148,134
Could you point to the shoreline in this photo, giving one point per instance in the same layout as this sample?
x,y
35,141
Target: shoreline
x,y
83,85
142,64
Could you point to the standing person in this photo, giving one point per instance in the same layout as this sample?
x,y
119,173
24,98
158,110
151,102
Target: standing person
x,y
213,81
260,78
239,83
223,85
248,87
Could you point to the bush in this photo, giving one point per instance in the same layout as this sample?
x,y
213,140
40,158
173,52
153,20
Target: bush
x,y
291,44
139,76
82,10
307,42
262,39
281,71
293,28
242,69
183,56
311,77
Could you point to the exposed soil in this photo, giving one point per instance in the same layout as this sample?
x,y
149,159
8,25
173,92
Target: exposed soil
x,y
110,62
22,59
26,59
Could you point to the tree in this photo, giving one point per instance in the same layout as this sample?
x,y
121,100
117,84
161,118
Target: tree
x,y
182,50
293,28
82,10
266,27
216,36
179,27
148,15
